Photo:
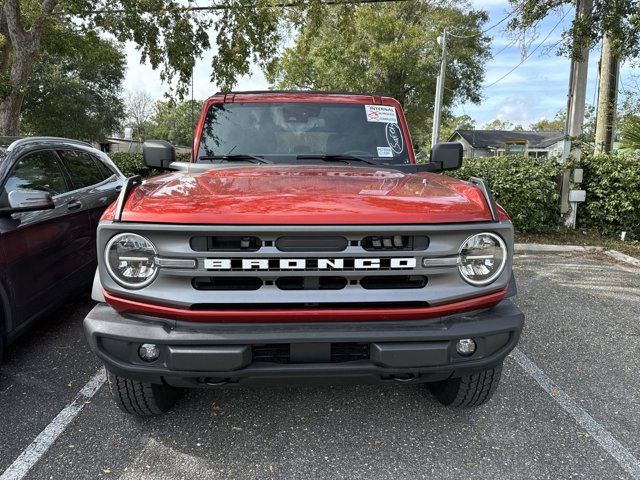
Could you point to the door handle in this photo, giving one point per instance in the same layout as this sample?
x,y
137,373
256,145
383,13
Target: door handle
x,y
74,204
118,188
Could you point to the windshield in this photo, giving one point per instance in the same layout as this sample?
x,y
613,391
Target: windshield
x,y
284,131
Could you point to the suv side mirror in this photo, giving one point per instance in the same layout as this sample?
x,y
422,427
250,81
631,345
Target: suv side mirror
x,y
447,154
22,200
158,154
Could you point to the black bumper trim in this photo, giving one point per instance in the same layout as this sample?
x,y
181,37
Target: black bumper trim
x,y
202,354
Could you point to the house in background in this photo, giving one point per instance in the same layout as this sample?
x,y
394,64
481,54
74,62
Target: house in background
x,y
116,145
494,143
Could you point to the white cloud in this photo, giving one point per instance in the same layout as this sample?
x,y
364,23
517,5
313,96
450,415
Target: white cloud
x,y
143,77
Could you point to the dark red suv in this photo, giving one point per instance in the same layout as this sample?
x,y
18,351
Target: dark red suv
x,y
52,194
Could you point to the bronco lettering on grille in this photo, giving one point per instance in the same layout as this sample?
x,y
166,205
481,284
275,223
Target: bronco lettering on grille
x,y
310,263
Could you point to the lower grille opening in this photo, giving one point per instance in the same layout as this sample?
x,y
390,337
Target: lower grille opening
x,y
306,306
349,352
227,283
281,352
393,282
274,353
311,283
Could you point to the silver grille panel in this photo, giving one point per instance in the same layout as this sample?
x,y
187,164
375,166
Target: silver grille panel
x,y
176,286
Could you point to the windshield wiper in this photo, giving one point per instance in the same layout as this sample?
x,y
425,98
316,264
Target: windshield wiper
x,y
237,157
335,157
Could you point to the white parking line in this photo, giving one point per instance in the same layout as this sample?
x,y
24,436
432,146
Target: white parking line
x,y
614,448
30,455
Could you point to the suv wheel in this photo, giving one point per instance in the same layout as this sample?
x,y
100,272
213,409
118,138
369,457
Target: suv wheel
x,y
142,399
469,390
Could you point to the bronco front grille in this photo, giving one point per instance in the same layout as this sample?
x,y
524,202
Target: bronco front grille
x,y
304,267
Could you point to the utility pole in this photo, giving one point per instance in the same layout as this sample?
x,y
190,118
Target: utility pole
x,y
576,97
437,109
574,122
607,95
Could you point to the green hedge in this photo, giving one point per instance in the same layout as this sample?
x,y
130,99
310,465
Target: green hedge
x,y
131,164
526,187
612,183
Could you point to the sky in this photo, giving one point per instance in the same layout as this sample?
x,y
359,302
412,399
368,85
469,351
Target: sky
x,y
535,90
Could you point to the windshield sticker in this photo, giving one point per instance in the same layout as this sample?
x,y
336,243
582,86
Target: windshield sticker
x,y
394,138
385,152
381,113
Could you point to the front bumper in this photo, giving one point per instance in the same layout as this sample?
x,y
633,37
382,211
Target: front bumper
x,y
200,355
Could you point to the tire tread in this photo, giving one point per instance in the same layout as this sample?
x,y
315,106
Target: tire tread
x,y
469,390
141,399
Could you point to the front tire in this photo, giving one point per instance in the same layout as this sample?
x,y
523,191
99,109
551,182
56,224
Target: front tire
x,y
469,390
142,399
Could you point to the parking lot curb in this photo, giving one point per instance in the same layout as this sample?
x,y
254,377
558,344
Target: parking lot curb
x,y
623,257
543,247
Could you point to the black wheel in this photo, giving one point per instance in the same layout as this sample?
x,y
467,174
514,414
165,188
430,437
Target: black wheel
x,y
142,399
468,391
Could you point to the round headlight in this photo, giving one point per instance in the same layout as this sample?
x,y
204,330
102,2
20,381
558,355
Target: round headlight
x,y
482,258
131,260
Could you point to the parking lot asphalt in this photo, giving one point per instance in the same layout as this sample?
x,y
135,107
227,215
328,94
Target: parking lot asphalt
x,y
582,331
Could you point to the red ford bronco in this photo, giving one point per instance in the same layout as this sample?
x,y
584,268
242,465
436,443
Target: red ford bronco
x,y
301,243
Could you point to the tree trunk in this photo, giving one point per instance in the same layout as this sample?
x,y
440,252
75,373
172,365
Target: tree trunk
x,y
25,46
10,106
607,96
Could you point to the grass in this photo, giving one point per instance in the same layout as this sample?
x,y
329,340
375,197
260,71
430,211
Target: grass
x,y
567,236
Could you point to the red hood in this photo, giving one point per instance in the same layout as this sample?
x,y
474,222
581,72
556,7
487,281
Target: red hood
x,y
298,195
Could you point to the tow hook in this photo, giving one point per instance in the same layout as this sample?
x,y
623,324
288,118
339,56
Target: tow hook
x,y
214,382
406,378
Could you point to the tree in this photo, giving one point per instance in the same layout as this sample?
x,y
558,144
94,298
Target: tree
x,y
391,48
615,22
139,112
631,134
555,125
629,106
175,122
170,34
499,124
73,89
460,122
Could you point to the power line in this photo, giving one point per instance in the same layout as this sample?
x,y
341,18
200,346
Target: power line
x,y
225,6
509,15
530,53
510,44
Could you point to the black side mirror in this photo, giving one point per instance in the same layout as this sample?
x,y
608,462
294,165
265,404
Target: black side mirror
x,y
158,154
22,200
447,154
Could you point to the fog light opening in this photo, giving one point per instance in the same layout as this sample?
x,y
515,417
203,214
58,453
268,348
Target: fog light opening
x,y
149,352
466,347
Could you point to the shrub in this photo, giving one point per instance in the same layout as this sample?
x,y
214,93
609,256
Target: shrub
x,y
526,187
612,183
131,164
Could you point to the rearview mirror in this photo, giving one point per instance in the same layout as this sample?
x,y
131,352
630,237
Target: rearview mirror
x,y
22,200
447,154
158,154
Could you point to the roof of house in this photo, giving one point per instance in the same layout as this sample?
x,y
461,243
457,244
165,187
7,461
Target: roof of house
x,y
497,138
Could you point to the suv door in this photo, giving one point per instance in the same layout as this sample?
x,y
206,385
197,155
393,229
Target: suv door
x,y
44,250
95,184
